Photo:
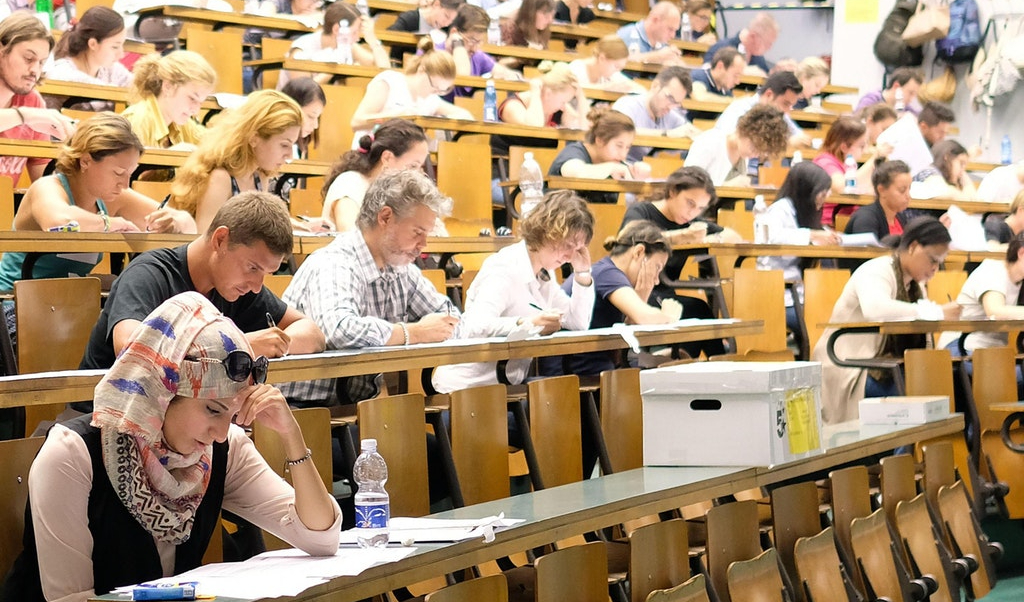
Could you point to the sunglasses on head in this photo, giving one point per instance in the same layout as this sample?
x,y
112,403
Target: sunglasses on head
x,y
239,366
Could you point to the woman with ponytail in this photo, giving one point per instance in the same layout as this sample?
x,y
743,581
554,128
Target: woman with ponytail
x,y
89,52
397,144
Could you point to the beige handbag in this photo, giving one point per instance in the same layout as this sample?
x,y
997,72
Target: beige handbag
x,y
941,89
928,23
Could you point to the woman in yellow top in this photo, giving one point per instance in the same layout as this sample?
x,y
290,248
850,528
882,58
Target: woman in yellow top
x,y
241,152
166,94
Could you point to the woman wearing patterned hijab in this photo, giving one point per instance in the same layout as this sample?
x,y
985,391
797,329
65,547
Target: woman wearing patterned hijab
x,y
135,492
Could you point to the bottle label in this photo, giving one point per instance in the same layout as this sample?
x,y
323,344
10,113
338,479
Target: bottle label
x,y
372,516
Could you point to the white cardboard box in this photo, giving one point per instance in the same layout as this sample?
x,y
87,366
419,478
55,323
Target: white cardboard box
x,y
903,410
731,413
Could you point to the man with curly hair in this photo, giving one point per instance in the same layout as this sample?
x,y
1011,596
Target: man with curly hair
x,y
760,133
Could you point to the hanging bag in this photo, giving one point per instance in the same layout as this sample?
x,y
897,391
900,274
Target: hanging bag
x,y
930,22
964,38
889,47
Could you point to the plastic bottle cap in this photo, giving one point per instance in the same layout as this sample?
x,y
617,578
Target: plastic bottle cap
x,y
368,444
527,156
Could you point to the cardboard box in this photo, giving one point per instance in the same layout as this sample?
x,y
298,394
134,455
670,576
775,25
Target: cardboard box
x,y
731,413
903,410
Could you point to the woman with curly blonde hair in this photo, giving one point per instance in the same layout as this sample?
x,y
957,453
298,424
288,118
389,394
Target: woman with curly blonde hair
x,y
166,94
241,152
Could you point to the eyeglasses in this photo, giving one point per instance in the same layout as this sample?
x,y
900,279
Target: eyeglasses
x,y
437,90
239,366
671,99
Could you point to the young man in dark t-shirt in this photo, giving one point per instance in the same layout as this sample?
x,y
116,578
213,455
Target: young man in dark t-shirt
x,y
247,240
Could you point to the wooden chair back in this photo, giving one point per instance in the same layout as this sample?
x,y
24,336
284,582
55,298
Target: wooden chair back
x,y
939,469
794,515
995,381
543,156
464,174
772,175
622,418
306,202
438,278
277,283
757,579
155,190
274,48
479,423
6,203
315,424
732,535
55,317
223,49
946,285
694,590
819,571
398,424
658,557
898,483
335,125
875,555
821,291
493,588
850,499
573,573
663,166
930,372
921,544
607,219
18,455
739,219
966,535
760,295
474,104
555,428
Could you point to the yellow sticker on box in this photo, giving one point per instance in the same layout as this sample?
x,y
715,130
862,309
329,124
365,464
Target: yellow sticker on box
x,y
803,426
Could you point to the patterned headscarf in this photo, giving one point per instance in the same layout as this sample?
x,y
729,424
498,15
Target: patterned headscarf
x,y
160,487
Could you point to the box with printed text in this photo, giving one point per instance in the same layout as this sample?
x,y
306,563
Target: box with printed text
x,y
905,410
731,413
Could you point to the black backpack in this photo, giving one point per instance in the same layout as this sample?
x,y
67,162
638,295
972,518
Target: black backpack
x,y
890,48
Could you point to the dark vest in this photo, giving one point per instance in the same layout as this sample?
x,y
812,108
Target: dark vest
x,y
123,552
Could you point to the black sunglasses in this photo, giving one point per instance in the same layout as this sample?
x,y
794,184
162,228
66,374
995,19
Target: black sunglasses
x,y
239,366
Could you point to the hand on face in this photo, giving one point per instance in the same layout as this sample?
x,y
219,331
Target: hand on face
x,y
265,404
580,260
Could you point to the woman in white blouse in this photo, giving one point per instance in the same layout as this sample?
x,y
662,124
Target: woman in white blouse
x,y
603,70
89,53
516,287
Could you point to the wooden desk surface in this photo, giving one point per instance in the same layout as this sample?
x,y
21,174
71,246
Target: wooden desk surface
x,y
644,187
435,244
928,326
219,19
151,157
75,90
589,505
69,386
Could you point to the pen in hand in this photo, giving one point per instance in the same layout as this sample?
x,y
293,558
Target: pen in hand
x,y
270,321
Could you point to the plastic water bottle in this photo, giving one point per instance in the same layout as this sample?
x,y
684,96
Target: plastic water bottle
x,y
364,8
760,220
494,33
373,506
798,157
44,11
850,175
634,43
490,102
685,30
531,183
1006,150
344,54
901,105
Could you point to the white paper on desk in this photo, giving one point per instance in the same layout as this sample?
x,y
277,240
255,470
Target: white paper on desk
x,y
859,239
229,101
524,331
402,529
282,572
966,230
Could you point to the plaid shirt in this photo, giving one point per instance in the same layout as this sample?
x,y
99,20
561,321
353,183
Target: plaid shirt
x,y
356,305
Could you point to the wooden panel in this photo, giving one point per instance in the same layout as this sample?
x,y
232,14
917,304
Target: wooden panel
x,y
464,174
658,558
821,291
574,573
397,423
607,219
732,535
335,122
6,203
18,455
757,579
224,52
555,428
760,295
622,418
480,442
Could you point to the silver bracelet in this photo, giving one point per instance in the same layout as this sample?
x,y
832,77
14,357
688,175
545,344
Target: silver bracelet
x,y
289,463
405,332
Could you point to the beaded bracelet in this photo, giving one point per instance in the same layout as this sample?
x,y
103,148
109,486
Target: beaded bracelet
x,y
289,463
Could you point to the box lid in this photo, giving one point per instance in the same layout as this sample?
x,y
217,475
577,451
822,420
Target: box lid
x,y
724,378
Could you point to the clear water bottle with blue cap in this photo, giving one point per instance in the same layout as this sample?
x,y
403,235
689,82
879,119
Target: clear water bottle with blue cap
x,y
494,33
372,503
685,29
850,175
490,102
1006,150
531,184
